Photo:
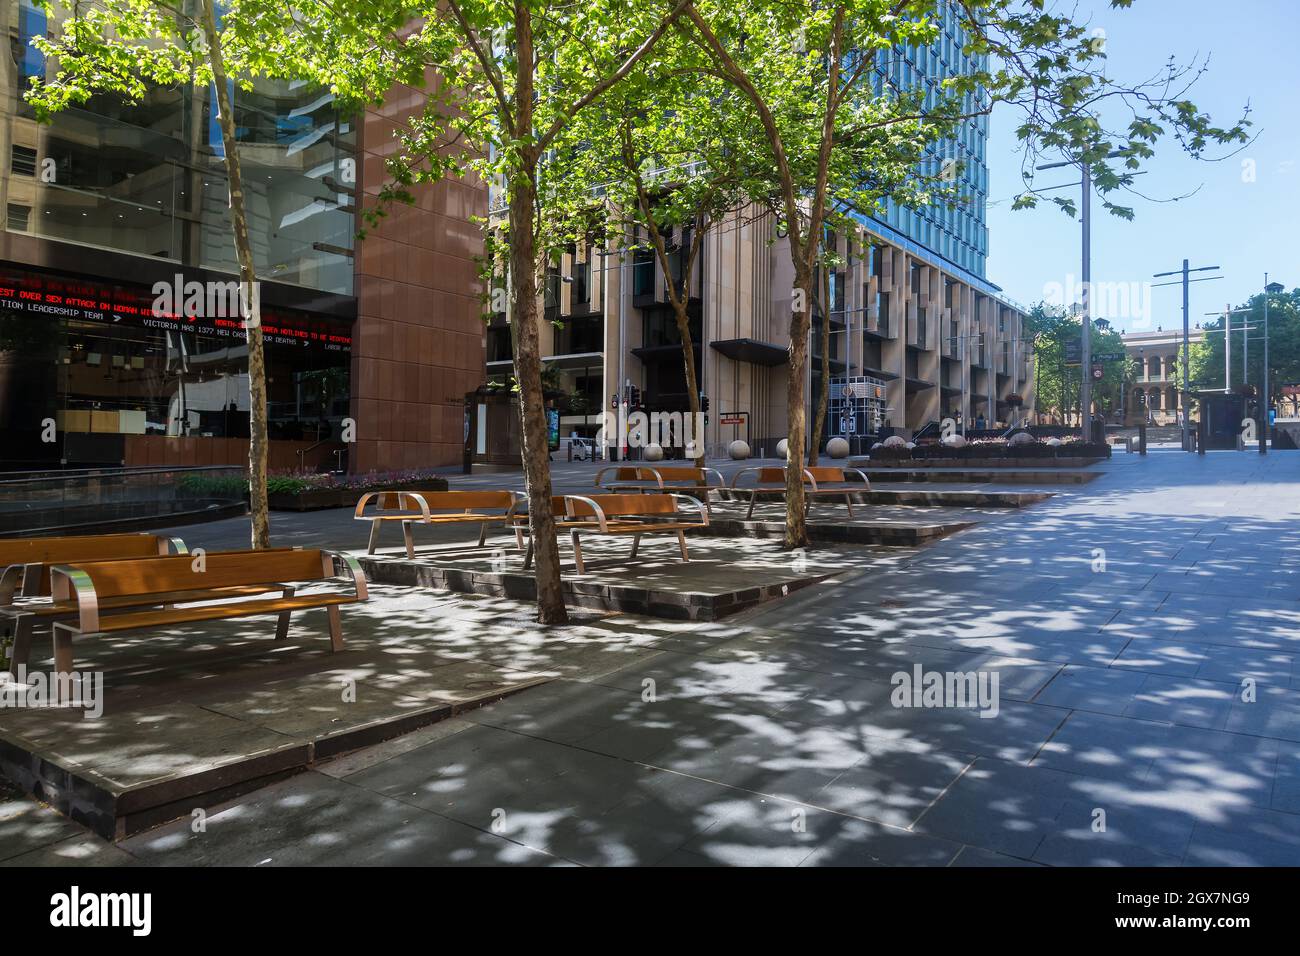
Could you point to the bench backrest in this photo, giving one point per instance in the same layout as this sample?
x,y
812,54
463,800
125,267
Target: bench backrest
x,y
621,505
643,473
70,550
86,547
826,474
820,475
682,474
219,569
447,500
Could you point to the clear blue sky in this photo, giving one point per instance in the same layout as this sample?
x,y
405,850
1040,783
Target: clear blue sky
x,y
1245,227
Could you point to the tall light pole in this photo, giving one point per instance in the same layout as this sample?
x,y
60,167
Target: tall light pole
x,y
1265,401
1185,281
1085,320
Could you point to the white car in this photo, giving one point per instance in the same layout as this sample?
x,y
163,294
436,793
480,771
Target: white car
x,y
584,449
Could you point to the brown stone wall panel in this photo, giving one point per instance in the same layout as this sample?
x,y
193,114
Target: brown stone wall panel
x,y
419,345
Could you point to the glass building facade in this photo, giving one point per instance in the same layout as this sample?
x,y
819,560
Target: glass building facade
x,y
957,234
112,197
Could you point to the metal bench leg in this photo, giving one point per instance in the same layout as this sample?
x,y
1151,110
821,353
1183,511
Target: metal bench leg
x,y
753,497
282,624
374,536
577,552
482,533
336,627
848,500
409,539
681,540
519,538
62,653
528,555
636,542
23,627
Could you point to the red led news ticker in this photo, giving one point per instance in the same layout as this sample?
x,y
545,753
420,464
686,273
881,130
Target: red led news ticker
x,y
95,303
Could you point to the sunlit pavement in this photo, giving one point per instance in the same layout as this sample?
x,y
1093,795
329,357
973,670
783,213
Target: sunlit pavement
x,y
1143,630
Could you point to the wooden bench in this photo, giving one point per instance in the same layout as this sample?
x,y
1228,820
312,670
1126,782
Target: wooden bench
x,y
91,585
26,614
634,515
25,562
681,479
819,482
436,507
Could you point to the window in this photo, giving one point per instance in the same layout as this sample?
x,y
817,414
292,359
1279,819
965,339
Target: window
x,y
22,160
18,217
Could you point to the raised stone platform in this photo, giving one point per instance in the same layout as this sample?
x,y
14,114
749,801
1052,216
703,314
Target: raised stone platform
x,y
829,523
974,496
727,573
1003,476
197,715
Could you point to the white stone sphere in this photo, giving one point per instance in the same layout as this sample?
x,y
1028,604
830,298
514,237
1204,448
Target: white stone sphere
x,y
877,445
1021,438
738,450
954,441
910,445
837,448
894,441
1054,442
783,448
654,453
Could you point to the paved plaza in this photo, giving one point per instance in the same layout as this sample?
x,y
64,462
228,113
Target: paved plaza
x,y
1142,628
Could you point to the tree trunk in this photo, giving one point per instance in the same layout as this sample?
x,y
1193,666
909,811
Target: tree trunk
x,y
251,298
796,527
823,400
692,382
528,361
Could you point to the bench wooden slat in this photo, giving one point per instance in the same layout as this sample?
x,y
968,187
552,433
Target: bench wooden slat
x,y
140,620
220,570
58,608
443,500
79,548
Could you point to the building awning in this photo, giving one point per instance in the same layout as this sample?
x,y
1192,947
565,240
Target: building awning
x,y
752,351
918,385
879,373
574,361
949,390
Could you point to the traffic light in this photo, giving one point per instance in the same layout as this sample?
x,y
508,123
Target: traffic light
x,y
704,403
633,396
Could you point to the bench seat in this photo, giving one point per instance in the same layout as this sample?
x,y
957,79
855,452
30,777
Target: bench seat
x,y
138,620
410,508
818,482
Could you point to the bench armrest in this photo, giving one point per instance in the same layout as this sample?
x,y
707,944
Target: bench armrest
x,y
698,506
808,477
176,546
514,516
69,583
600,514
735,479
861,474
705,472
352,566
9,579
401,503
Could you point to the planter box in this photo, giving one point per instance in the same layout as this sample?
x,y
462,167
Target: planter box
x,y
318,499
